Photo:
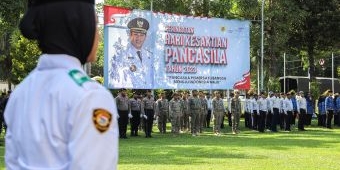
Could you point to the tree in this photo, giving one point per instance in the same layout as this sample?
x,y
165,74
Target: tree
x,y
24,54
320,29
10,12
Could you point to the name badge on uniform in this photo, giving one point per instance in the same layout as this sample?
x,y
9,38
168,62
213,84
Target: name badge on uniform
x,y
102,120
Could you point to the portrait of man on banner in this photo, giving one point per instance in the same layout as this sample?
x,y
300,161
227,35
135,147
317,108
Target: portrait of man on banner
x,y
132,64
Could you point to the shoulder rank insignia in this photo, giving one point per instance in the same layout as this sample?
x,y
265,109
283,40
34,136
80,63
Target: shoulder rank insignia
x,y
102,119
79,77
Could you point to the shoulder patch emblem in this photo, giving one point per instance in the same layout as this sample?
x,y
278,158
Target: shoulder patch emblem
x,y
102,120
79,77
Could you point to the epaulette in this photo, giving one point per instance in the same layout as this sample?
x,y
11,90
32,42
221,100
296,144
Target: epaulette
x,y
79,77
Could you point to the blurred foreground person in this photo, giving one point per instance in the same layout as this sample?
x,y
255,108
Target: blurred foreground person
x,y
58,114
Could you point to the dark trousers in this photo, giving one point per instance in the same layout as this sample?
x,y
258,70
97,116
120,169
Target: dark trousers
x,y
282,121
301,122
336,118
319,119
122,122
269,118
247,120
254,119
294,115
148,123
288,119
3,120
329,118
261,121
308,119
208,119
274,120
323,120
134,122
229,119
222,124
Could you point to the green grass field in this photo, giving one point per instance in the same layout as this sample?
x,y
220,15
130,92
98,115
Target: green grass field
x,y
317,148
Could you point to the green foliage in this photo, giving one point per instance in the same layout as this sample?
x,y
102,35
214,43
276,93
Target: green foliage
x,y
315,89
97,68
10,12
168,93
274,84
24,57
318,30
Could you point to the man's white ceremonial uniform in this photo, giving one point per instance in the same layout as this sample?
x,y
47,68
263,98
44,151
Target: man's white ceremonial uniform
x,y
59,119
136,72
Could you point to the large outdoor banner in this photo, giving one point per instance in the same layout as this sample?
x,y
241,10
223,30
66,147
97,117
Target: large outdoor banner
x,y
152,50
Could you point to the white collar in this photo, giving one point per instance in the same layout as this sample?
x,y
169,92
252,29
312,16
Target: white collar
x,y
48,61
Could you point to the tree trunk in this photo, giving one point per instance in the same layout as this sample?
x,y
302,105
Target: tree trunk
x,y
311,62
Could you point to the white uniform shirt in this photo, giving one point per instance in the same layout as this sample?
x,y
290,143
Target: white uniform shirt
x,y
255,106
282,104
302,103
270,103
248,105
288,105
133,71
276,102
263,104
55,123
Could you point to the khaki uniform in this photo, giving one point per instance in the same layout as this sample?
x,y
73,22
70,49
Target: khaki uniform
x,y
235,107
218,112
203,114
162,113
175,113
148,105
186,115
123,106
195,109
136,110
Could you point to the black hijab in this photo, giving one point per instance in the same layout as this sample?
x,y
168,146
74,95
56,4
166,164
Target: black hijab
x,y
61,27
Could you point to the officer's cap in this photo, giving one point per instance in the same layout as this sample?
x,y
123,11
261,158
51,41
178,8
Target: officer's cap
x,y
123,89
140,25
301,92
